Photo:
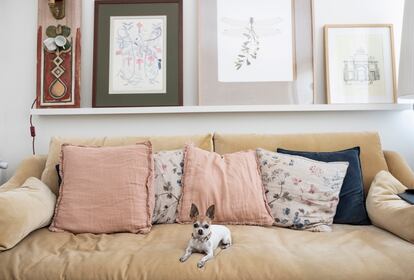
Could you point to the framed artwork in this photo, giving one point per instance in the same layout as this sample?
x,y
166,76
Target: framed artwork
x,y
360,64
255,52
138,53
255,41
58,54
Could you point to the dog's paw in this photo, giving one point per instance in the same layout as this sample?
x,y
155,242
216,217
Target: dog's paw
x,y
201,264
183,259
225,246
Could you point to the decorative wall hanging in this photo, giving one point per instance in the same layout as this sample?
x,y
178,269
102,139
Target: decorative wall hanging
x,y
58,54
255,52
137,53
360,64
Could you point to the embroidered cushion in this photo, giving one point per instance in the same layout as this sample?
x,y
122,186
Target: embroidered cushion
x,y
351,207
231,182
105,189
168,169
302,193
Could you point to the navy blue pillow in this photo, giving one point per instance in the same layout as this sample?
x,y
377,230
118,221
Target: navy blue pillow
x,y
351,207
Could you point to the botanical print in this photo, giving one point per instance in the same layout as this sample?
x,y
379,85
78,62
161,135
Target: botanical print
x,y
168,174
360,65
252,33
303,194
256,43
137,62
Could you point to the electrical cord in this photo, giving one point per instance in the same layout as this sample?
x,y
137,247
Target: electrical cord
x,y
33,129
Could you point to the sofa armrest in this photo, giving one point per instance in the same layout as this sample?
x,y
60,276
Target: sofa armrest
x,y
399,168
30,167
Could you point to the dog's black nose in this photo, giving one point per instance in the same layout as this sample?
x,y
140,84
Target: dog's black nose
x,y
200,231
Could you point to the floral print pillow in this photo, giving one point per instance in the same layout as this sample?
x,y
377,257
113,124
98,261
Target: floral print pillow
x,y
168,174
303,194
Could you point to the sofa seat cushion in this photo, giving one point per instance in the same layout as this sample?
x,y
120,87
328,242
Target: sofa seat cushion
x,y
349,252
372,156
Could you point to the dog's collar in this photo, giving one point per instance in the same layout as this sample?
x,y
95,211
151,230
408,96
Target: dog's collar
x,y
202,239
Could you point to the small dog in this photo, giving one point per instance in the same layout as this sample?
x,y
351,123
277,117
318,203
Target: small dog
x,y
206,237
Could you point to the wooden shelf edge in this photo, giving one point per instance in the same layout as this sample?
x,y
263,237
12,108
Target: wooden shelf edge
x,y
222,109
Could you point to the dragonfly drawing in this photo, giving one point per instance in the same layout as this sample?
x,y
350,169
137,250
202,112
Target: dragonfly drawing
x,y
250,31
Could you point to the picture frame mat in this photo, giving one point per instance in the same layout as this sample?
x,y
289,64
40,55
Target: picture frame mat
x,y
164,71
268,37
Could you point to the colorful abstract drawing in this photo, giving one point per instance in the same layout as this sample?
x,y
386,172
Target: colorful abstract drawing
x,y
137,61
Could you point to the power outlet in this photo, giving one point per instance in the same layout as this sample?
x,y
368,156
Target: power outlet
x,y
3,165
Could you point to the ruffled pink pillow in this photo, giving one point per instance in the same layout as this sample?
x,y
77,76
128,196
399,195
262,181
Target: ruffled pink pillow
x,y
105,189
231,182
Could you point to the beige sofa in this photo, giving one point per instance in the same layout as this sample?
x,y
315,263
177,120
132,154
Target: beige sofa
x,y
349,252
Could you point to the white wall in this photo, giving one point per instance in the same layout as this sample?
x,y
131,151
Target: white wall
x,y
17,90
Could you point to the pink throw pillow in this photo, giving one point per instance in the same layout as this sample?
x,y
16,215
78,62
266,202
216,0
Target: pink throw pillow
x,y
105,189
231,182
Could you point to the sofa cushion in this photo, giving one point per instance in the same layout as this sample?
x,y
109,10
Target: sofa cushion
x,y
351,208
168,172
372,156
232,183
23,210
349,252
105,189
302,193
387,210
159,143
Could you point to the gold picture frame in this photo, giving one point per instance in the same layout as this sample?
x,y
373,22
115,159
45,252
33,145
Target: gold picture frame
x,y
366,53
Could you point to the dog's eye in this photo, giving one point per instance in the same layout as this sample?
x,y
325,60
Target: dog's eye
x,y
196,225
206,226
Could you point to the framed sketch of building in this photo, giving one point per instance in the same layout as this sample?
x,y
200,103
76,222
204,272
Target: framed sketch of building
x,y
360,64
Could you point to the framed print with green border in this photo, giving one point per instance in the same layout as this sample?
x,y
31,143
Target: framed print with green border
x,y
138,53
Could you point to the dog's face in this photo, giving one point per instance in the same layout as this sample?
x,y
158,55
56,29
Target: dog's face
x,y
201,225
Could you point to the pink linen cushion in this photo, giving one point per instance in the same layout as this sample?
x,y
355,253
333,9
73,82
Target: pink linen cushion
x,y
231,182
105,189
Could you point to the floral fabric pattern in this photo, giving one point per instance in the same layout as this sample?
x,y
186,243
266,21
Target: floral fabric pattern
x,y
168,174
303,194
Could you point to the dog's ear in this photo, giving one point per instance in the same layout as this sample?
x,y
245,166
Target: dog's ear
x,y
210,212
194,211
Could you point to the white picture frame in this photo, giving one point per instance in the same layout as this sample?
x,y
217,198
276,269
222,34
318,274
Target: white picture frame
x,y
360,64
138,55
213,92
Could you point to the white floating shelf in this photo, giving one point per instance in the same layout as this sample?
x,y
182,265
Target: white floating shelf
x,y
222,109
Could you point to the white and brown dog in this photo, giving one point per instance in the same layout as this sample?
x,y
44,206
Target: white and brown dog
x,y
206,237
